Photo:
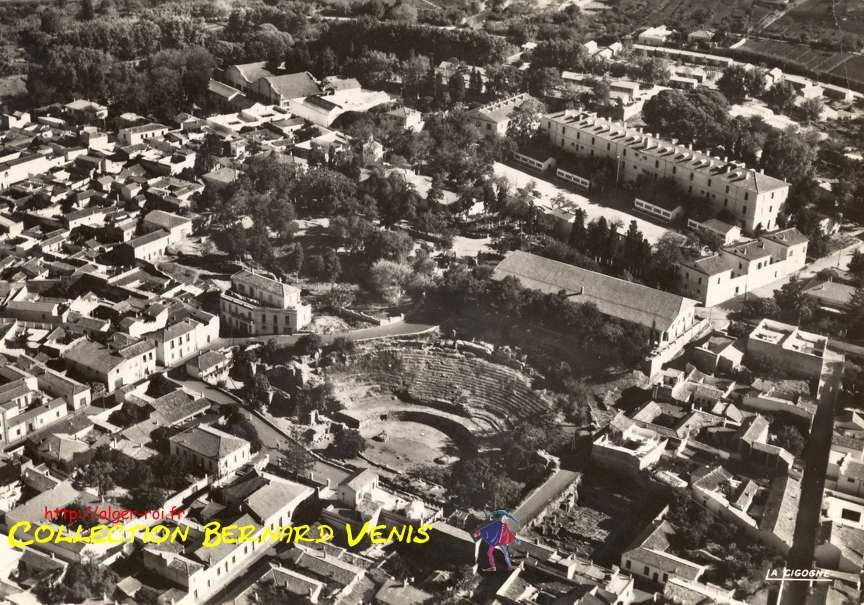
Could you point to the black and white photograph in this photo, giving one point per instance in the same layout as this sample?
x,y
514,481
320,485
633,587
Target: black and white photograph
x,y
431,302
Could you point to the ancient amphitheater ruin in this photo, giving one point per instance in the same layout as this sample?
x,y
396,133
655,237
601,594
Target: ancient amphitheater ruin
x,y
433,398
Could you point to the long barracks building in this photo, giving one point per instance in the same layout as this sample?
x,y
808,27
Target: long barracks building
x,y
752,197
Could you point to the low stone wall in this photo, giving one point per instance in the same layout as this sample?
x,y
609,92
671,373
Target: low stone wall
x,y
458,433
378,321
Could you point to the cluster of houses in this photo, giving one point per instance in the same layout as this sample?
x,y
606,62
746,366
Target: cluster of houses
x,y
703,415
660,41
306,98
233,486
90,208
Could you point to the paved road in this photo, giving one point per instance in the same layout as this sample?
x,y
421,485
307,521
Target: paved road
x,y
838,260
273,441
549,190
398,329
813,482
541,498
211,392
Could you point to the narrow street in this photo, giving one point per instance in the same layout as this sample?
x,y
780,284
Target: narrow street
x,y
396,329
718,315
813,481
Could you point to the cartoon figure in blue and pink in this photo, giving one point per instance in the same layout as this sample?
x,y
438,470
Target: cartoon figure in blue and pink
x,y
498,535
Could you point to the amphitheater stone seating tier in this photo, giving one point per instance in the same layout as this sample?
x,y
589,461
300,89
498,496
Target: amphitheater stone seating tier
x,y
493,396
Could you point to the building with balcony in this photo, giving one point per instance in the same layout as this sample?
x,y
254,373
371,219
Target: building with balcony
x,y
258,305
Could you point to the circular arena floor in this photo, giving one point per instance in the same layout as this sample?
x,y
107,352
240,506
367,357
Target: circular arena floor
x,y
405,444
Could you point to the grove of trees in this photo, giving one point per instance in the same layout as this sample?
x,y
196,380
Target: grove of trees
x,y
595,341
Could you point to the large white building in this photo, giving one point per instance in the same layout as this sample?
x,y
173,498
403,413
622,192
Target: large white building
x,y
258,305
740,268
324,109
753,198
121,362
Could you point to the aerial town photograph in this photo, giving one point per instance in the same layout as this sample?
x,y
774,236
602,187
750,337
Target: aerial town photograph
x,y
409,302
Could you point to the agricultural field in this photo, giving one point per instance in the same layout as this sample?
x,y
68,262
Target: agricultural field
x,y
821,18
845,66
798,54
734,15
852,70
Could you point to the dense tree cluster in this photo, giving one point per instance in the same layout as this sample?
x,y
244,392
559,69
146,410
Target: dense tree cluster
x,y
697,116
162,84
602,246
272,193
736,554
148,481
81,581
240,426
738,83
789,437
788,155
130,39
485,481
345,38
290,16
347,442
595,341
318,399
393,10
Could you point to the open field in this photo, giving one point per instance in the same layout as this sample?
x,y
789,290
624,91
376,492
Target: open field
x,y
799,54
403,445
